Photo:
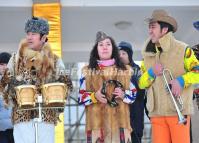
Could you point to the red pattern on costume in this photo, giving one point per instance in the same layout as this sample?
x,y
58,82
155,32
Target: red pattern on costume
x,y
102,136
89,136
101,66
82,91
122,135
134,90
84,94
196,91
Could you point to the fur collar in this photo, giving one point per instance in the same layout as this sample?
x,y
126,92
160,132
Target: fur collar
x,y
165,43
42,61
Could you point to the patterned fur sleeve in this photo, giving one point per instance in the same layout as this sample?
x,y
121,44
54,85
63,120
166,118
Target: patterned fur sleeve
x,y
3,86
63,77
66,79
4,80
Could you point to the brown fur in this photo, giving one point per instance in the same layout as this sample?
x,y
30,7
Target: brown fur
x,y
42,61
102,116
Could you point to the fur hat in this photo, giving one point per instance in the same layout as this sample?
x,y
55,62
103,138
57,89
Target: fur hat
x,y
127,47
196,25
4,57
162,16
100,36
37,25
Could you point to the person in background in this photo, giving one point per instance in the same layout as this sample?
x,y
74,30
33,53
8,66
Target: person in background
x,y
137,108
162,51
195,48
196,51
6,127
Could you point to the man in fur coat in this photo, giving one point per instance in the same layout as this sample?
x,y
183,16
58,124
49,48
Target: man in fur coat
x,y
34,64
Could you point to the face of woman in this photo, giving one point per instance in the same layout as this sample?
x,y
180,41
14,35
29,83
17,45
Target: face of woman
x,y
104,49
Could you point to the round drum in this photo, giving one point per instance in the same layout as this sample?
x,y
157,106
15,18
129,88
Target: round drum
x,y
54,94
26,95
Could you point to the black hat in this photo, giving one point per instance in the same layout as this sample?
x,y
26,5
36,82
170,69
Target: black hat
x,y
4,57
125,46
196,25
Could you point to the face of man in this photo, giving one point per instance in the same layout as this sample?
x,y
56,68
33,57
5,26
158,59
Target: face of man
x,y
35,41
104,49
155,31
2,67
124,57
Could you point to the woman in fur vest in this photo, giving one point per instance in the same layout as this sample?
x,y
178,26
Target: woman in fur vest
x,y
34,64
106,91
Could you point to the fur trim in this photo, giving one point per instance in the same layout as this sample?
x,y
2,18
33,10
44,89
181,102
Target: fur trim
x,y
42,61
104,115
165,43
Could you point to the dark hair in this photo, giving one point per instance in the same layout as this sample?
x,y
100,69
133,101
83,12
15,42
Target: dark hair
x,y
166,25
115,54
41,35
196,50
4,57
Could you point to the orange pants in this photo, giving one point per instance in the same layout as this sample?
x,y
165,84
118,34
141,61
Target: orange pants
x,y
168,130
